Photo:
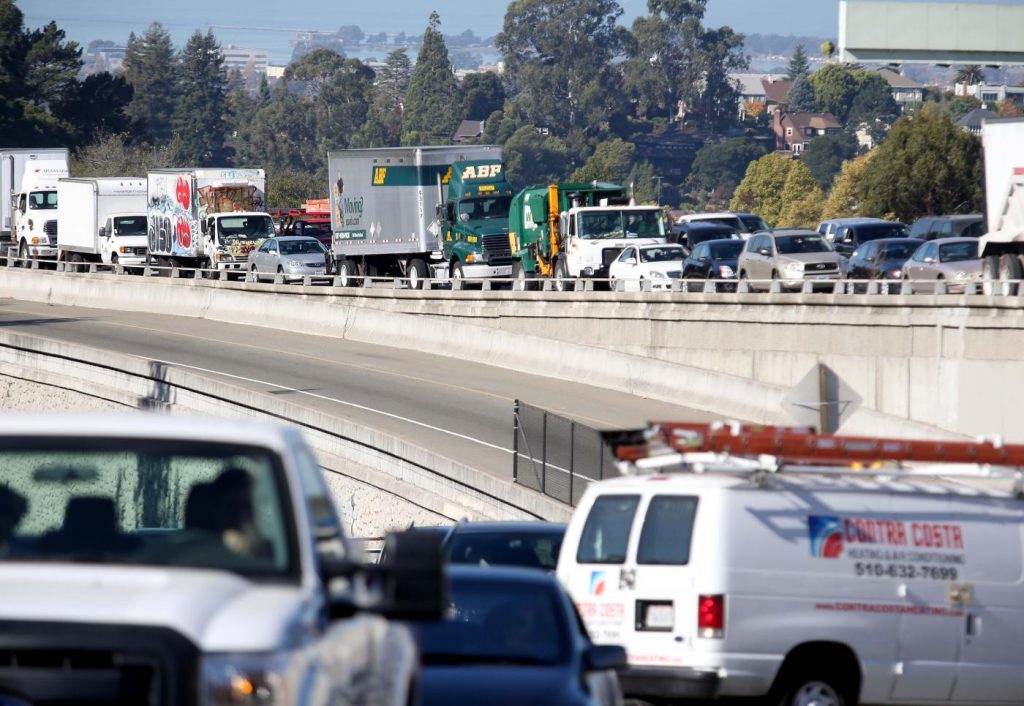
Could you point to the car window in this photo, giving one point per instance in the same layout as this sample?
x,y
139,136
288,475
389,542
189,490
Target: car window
x,y
920,228
864,233
945,229
323,519
700,251
796,244
726,251
956,252
626,254
974,230
531,550
301,247
666,253
929,251
754,223
898,251
667,531
866,252
606,533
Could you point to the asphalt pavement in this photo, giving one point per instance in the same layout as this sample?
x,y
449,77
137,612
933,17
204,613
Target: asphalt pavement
x,y
458,408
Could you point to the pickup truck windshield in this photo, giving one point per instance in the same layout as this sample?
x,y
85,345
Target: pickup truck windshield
x,y
595,225
152,503
42,200
130,225
254,227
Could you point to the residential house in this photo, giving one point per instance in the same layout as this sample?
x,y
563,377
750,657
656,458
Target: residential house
x,y
468,130
776,92
795,131
905,91
750,89
973,120
991,95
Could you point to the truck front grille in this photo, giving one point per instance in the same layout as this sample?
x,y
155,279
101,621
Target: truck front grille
x,y
497,246
50,227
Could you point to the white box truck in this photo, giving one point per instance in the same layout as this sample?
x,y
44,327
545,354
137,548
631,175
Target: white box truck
x,y
102,220
206,218
1002,247
28,199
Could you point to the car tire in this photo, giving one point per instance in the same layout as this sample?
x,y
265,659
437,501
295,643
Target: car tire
x,y
280,271
255,273
417,273
1010,269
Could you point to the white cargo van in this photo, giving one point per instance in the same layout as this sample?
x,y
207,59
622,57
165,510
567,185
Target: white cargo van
x,y
809,588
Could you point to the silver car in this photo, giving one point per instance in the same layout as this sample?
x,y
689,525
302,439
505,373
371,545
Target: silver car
x,y
790,256
953,260
292,257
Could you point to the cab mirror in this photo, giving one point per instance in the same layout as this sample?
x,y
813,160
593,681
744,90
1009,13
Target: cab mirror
x,y
412,577
103,231
630,261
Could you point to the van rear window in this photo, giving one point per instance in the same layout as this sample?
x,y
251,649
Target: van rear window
x,y
606,533
668,529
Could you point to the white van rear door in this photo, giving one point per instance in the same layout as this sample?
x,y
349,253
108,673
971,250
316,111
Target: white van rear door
x,y
598,578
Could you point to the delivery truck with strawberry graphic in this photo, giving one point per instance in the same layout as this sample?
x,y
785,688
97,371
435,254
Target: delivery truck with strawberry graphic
x,y
206,219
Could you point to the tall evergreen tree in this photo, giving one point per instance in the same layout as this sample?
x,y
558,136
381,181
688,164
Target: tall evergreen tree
x,y
200,118
801,96
150,68
799,64
432,101
384,124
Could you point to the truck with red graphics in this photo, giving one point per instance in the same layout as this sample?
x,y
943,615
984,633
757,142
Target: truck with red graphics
x,y
206,218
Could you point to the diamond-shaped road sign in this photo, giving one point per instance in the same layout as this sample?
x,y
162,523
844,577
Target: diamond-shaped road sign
x,y
822,400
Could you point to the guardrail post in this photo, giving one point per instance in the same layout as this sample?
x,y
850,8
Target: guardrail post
x,y
544,455
908,287
808,288
940,287
515,441
743,287
572,458
92,268
775,287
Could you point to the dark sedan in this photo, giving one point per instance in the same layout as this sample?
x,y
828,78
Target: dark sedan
x,y
713,259
512,637
880,259
531,545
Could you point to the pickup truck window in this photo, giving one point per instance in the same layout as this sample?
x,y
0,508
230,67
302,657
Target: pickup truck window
x,y
142,502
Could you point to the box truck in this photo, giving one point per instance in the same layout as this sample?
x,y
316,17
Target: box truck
x,y
1002,247
28,199
102,220
206,218
420,212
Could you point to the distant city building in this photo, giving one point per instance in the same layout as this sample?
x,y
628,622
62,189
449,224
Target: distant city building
x,y
245,59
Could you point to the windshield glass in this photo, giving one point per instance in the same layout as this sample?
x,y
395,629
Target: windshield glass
x,y
130,225
254,227
480,209
625,223
732,221
796,244
43,200
137,502
975,230
533,550
877,232
496,622
663,254
301,247
754,223
898,251
955,252
314,230
727,251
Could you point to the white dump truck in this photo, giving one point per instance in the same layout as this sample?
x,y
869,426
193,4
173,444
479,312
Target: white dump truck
x,y
102,220
28,199
1002,246
206,218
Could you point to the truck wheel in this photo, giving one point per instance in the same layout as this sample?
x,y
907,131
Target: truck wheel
x,y
457,272
989,273
346,272
561,274
521,279
1010,269
417,272
23,254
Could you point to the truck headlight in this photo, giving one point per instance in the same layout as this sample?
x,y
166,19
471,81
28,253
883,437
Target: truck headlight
x,y
794,266
471,257
229,679
35,240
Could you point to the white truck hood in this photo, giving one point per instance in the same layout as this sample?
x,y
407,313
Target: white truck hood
x,y
216,610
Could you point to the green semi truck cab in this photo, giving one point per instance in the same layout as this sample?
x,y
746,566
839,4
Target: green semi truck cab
x,y
573,230
473,218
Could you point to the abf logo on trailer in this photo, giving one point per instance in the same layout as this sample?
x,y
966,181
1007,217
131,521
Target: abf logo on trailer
x,y
482,171
826,536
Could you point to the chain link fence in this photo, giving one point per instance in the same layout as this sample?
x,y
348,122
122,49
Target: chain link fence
x,y
556,455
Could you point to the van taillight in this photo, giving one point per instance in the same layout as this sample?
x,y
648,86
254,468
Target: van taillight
x,y
711,616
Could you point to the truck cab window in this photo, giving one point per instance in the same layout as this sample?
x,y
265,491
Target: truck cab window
x,y
43,200
133,225
606,532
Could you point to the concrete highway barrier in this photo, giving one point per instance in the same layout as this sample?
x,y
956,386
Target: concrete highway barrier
x,y
926,366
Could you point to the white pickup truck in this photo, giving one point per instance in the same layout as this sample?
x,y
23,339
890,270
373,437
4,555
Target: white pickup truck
x,y
151,559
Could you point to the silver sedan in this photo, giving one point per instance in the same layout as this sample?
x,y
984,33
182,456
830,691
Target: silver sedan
x,y
292,257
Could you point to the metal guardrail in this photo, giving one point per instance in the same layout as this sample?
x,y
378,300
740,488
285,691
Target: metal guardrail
x,y
556,455
1002,288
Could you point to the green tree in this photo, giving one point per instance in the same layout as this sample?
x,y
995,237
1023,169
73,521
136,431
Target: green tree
x,y
846,199
645,184
116,154
96,106
52,66
835,87
799,64
825,156
873,107
721,165
289,187
925,165
828,49
801,96
801,198
722,54
150,69
612,161
433,101
13,48
482,94
970,74
384,123
532,158
282,134
952,105
558,56
761,189
200,119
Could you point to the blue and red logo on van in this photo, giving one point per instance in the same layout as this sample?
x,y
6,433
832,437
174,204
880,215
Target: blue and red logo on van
x,y
826,536
598,582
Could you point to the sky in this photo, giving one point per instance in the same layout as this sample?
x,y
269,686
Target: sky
x,y
85,20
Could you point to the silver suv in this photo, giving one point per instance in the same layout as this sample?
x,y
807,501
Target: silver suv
x,y
790,256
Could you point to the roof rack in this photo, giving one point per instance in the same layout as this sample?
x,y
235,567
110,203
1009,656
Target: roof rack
x,y
733,447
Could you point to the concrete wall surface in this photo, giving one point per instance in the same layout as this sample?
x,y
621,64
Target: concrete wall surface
x,y
379,482
925,365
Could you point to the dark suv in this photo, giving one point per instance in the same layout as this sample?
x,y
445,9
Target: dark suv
x,y
932,227
849,237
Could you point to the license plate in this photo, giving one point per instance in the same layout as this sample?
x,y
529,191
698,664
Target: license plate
x,y
660,617
823,277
